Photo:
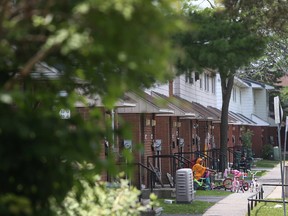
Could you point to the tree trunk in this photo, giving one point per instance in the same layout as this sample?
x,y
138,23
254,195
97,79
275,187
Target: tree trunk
x,y
227,85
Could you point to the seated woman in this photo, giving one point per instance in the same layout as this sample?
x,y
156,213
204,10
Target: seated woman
x,y
200,172
243,163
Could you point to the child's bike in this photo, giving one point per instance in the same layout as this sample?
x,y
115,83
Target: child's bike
x,y
233,184
203,183
254,185
225,184
239,183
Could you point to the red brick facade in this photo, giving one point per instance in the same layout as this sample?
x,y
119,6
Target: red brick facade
x,y
198,135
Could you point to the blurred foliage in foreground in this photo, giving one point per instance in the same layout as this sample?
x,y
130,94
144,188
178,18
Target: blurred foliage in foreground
x,y
84,48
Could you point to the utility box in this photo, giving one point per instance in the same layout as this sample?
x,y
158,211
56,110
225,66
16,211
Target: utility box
x,y
276,152
184,186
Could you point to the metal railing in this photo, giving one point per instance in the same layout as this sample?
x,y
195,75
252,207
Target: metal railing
x,y
183,160
211,157
176,161
258,198
150,172
155,162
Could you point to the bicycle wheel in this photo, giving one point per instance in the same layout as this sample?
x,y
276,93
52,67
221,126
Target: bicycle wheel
x,y
245,185
227,183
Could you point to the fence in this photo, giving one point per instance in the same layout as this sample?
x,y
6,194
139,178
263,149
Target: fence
x,y
163,164
258,198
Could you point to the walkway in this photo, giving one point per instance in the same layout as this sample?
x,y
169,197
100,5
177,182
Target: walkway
x,y
236,203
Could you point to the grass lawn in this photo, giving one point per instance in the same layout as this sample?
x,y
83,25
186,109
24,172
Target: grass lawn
x,y
196,207
268,209
199,207
212,193
259,174
266,163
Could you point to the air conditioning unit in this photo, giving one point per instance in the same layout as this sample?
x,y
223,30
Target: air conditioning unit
x,y
184,186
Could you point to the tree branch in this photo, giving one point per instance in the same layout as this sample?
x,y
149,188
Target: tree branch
x,y
3,9
26,70
212,6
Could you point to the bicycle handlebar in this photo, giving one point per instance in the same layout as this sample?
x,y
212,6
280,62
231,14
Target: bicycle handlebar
x,y
253,173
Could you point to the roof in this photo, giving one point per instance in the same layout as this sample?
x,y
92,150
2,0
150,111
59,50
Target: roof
x,y
184,107
256,84
44,71
209,115
239,82
96,101
218,112
241,119
259,121
145,103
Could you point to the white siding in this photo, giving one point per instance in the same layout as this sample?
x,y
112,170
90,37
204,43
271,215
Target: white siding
x,y
193,92
260,103
247,102
162,89
218,92
251,98
235,104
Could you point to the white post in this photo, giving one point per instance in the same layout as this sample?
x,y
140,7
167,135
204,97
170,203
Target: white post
x,y
278,117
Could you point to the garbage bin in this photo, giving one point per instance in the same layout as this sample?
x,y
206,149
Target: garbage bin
x,y
184,186
276,153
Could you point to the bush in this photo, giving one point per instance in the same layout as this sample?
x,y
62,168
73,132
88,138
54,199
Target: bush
x,y
100,198
267,152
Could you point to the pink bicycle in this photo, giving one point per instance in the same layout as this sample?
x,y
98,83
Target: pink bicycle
x,y
239,183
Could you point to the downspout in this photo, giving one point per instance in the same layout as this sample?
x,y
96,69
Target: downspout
x,y
113,127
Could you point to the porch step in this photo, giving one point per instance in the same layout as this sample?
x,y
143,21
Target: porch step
x,y
152,212
155,211
163,193
145,202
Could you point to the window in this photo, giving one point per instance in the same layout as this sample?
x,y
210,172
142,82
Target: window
x,y
206,82
213,85
200,82
196,76
189,78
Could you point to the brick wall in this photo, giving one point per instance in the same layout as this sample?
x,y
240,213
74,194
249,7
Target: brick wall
x,y
257,140
167,133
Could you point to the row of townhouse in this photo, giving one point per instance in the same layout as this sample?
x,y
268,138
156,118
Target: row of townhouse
x,y
179,121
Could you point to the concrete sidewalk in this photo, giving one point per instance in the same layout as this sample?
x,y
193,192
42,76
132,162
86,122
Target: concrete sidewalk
x,y
236,203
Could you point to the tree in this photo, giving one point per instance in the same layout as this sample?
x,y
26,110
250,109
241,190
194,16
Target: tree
x,y
272,65
264,16
268,18
221,44
97,47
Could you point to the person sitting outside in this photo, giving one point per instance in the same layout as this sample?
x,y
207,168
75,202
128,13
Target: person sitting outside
x,y
243,163
201,172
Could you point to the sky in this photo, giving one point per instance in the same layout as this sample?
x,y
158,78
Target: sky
x,y
202,3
